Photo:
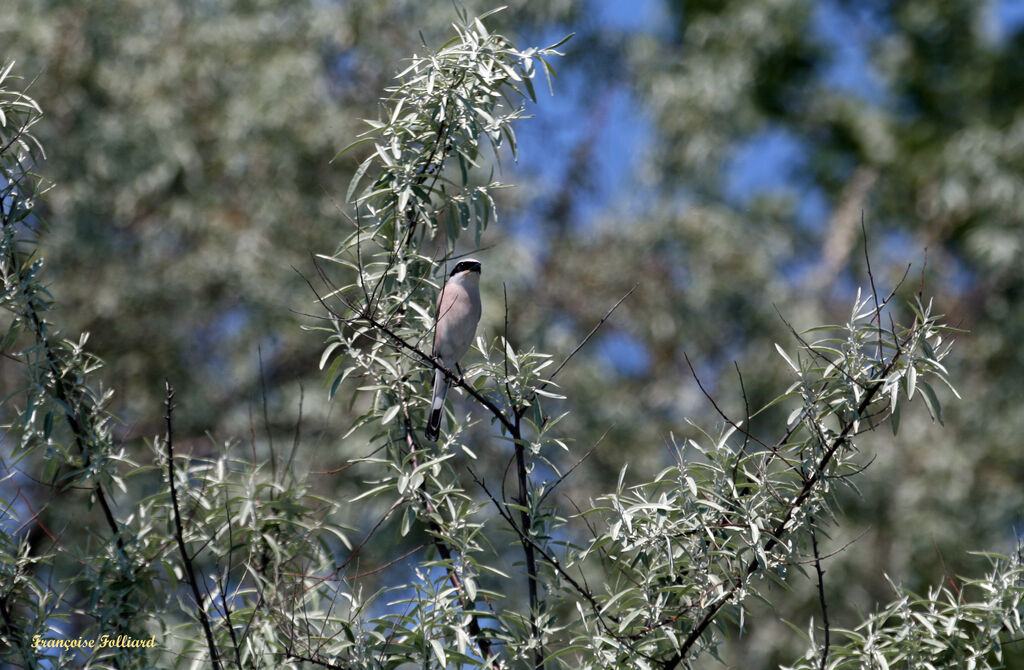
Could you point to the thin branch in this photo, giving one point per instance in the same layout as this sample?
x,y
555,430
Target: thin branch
x,y
949,575
317,661
551,560
355,552
422,356
266,418
725,417
586,339
225,582
746,405
298,432
576,464
779,530
381,568
443,549
179,532
871,281
508,388
836,552
821,592
924,266
531,559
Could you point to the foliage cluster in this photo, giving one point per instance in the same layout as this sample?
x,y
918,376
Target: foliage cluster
x,y
231,559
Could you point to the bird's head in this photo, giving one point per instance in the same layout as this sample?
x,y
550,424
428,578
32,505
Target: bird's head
x,y
465,270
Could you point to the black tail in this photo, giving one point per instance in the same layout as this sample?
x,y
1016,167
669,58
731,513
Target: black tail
x,y
436,406
433,425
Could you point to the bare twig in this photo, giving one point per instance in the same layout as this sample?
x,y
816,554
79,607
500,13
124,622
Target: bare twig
x,y
319,662
355,552
575,465
385,566
586,339
725,417
835,552
871,281
266,418
924,266
298,432
821,592
949,575
746,406
179,532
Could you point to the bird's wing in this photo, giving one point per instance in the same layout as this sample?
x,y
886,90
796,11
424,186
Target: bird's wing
x,y
445,304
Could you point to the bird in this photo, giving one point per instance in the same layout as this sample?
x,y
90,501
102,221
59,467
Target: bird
x,y
458,312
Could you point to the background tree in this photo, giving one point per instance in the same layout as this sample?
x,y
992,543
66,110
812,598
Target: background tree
x,y
164,153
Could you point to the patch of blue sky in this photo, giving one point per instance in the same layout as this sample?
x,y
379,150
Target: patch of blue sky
x,y
848,36
813,209
605,115
611,124
218,338
766,162
635,16
1010,14
625,354
1005,19
623,138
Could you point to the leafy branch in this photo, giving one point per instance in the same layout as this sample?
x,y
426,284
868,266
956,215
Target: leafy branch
x,y
703,529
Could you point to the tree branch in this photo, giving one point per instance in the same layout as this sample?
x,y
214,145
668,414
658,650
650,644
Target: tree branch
x,y
526,523
422,356
821,592
551,560
443,549
179,533
586,339
779,530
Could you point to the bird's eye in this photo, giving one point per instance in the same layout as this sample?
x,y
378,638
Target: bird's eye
x,y
464,266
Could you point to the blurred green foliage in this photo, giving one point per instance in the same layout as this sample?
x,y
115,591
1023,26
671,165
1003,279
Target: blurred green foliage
x,y
190,143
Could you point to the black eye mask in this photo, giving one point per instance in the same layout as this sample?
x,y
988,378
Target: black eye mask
x,y
463,266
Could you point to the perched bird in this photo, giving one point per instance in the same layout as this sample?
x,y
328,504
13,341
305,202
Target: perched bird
x,y
458,312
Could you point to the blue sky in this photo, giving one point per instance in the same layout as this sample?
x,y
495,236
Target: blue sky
x,y
620,134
